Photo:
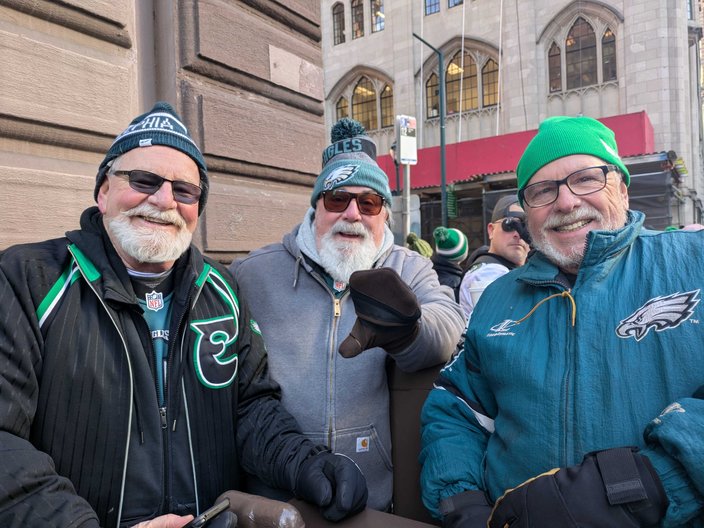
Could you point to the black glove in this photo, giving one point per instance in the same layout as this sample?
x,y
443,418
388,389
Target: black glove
x,y
226,519
470,509
333,482
615,488
387,313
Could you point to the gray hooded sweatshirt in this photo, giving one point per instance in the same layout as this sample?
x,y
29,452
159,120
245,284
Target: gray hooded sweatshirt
x,y
343,403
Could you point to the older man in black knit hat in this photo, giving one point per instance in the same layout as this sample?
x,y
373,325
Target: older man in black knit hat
x,y
133,381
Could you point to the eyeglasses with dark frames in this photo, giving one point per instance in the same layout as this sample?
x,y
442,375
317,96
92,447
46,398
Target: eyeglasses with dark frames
x,y
148,183
580,183
368,203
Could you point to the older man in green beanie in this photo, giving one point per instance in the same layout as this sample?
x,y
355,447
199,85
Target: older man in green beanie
x,y
338,283
577,399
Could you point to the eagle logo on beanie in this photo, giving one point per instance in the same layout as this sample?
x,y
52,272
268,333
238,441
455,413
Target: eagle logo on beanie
x,y
659,313
338,176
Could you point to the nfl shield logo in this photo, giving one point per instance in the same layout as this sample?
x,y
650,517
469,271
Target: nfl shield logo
x,y
155,301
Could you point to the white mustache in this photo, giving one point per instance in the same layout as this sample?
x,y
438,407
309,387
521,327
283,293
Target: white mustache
x,y
346,228
150,212
586,212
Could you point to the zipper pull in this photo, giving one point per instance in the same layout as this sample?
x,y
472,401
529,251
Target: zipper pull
x,y
162,413
337,307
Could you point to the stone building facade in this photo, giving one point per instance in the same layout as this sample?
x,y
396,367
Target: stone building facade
x,y
523,61
246,76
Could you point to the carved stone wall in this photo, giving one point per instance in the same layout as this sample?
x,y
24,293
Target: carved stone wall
x,y
245,75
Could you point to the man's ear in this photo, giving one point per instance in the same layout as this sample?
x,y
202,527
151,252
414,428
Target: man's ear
x,y
624,193
490,229
102,194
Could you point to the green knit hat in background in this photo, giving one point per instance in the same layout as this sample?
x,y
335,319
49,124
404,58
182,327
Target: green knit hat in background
x,y
417,244
350,161
562,136
451,243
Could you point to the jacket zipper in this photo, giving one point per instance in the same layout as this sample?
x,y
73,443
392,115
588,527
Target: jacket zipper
x,y
131,392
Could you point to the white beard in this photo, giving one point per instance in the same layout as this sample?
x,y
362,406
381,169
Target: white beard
x,y
150,245
341,258
571,260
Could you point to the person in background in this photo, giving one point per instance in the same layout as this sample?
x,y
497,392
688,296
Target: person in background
x,y
451,249
336,300
578,397
507,250
133,380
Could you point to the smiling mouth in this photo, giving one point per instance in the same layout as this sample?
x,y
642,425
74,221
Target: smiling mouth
x,y
154,220
571,227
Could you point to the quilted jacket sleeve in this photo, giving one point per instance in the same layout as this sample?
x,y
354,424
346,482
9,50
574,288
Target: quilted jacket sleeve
x,y
457,419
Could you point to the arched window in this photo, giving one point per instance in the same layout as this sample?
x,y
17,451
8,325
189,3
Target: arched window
x,y
490,83
341,108
466,71
357,19
608,55
580,55
338,23
377,12
364,104
554,68
432,96
387,107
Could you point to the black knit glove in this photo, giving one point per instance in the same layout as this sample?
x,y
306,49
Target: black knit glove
x,y
615,488
470,509
388,313
333,482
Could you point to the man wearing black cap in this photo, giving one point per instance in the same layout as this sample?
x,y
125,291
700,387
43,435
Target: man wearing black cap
x,y
133,381
337,300
507,250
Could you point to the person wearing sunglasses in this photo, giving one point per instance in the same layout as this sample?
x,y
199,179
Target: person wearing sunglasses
x,y
507,250
337,298
134,381
578,399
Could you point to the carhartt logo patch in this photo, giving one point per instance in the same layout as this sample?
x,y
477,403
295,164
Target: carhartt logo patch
x,y
660,313
155,301
339,175
362,444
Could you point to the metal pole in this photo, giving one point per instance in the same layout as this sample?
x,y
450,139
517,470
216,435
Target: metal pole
x,y
443,190
406,201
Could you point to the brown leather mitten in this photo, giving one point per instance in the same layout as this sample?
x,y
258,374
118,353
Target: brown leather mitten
x,y
388,313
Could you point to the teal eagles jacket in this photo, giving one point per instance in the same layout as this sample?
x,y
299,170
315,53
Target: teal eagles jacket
x,y
614,363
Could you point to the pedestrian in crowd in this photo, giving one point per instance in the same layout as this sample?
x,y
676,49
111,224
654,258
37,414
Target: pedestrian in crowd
x,y
451,249
336,299
577,399
133,379
507,250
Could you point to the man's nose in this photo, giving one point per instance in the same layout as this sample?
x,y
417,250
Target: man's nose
x,y
352,213
566,199
164,196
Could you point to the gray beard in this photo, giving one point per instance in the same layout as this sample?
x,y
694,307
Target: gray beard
x,y
341,258
572,260
147,245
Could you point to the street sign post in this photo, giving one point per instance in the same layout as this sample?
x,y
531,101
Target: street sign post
x,y
407,155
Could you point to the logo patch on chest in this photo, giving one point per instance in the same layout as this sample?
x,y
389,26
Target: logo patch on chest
x,y
660,313
155,301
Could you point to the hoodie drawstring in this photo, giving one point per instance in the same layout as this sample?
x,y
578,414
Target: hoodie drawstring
x,y
561,294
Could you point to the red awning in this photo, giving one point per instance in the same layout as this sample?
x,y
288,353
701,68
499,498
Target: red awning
x,y
499,154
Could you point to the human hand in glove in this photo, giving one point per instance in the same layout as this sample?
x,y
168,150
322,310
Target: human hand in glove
x,y
614,488
469,509
333,482
388,313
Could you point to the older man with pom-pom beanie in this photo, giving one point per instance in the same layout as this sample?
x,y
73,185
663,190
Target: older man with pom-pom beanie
x,y
336,298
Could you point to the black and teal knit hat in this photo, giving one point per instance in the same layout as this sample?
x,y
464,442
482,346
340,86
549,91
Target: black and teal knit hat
x,y
350,161
160,126
562,136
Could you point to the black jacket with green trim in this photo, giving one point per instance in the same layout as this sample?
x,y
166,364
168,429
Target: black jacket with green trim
x,y
76,382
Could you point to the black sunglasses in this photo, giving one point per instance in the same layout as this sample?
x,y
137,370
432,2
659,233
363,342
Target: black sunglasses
x,y
514,221
148,183
368,203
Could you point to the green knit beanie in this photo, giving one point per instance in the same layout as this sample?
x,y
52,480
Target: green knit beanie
x,y
562,136
417,244
350,161
451,243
